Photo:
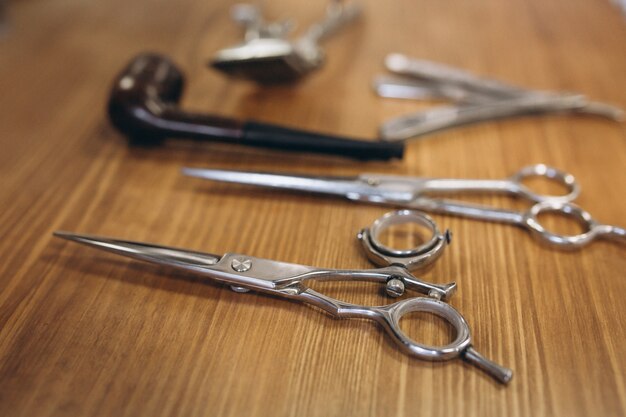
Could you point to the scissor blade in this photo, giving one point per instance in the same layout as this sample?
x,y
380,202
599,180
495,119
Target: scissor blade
x,y
340,186
178,258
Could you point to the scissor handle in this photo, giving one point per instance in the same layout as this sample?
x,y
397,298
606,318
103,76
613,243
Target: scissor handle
x,y
593,229
540,170
391,316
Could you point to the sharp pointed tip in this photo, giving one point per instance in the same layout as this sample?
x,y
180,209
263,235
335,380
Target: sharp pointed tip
x,y
62,234
194,172
75,237
187,171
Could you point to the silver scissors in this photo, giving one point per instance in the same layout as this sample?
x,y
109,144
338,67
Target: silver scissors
x,y
410,192
477,99
244,273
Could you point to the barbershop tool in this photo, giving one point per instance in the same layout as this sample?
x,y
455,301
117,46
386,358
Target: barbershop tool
x,y
268,57
244,273
410,192
144,105
478,99
250,16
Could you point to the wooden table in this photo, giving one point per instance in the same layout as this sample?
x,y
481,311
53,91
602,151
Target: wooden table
x,y
87,333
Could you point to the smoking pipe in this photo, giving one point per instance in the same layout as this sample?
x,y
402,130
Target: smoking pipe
x,y
144,106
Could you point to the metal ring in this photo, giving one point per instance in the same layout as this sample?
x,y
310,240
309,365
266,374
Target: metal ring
x,y
568,209
417,257
403,217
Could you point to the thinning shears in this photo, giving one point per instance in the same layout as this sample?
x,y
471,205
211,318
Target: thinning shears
x,y
411,192
244,273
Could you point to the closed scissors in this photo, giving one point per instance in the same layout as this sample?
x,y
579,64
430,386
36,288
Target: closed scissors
x,y
477,99
244,273
410,192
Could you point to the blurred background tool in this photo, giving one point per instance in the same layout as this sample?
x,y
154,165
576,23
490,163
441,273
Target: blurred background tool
x,y
268,57
476,99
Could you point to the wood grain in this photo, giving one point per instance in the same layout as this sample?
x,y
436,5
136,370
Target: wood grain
x,y
84,333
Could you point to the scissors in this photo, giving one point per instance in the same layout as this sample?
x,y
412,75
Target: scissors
x,y
477,99
409,192
244,273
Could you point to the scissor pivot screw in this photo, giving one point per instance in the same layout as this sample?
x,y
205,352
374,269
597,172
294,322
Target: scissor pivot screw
x,y
241,264
395,287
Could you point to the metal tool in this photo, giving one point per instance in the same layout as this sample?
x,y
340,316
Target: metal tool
x,y
250,16
144,105
478,99
268,57
410,192
244,273
419,257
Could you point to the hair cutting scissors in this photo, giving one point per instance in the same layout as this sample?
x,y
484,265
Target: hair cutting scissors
x,y
410,192
477,99
288,280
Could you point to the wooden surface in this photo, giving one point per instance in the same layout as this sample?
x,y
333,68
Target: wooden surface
x,y
85,333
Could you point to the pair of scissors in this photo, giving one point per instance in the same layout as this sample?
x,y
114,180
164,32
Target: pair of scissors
x,y
244,273
410,192
476,98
